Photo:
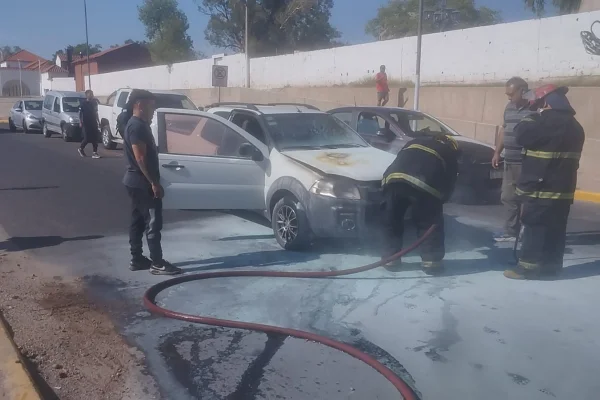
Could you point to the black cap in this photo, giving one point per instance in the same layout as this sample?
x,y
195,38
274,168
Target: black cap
x,y
138,95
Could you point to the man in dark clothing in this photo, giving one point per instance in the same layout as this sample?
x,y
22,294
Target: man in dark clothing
x,y
89,122
423,177
142,180
552,141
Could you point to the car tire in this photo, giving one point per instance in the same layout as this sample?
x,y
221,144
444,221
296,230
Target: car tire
x,y
11,125
25,130
64,135
45,130
290,224
107,139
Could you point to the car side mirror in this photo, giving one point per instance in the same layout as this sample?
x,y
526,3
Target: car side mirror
x,y
18,110
200,108
248,150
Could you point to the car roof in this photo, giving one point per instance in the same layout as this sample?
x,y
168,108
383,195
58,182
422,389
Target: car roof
x,y
154,91
266,109
65,93
374,109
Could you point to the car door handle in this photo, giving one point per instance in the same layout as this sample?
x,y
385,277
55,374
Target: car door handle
x,y
173,166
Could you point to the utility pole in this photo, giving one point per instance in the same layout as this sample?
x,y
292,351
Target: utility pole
x,y
20,79
418,70
87,44
246,48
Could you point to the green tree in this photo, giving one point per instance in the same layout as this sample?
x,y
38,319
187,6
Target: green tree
x,y
275,27
400,18
166,29
563,6
7,51
78,49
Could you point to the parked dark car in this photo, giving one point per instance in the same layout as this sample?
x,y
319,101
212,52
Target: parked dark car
x,y
389,129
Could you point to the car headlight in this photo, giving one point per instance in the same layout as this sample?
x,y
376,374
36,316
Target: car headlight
x,y
74,120
338,189
31,116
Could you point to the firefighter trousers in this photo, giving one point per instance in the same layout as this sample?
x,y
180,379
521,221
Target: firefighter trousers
x,y
426,210
544,235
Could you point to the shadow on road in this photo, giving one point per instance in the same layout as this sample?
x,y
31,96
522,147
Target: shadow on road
x,y
29,188
36,242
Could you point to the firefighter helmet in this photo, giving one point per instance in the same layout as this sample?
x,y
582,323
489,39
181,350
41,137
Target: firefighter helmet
x,y
536,96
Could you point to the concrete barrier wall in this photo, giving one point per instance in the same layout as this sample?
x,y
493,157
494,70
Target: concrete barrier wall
x,y
536,50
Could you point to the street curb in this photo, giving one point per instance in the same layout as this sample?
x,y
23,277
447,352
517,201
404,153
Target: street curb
x,y
591,197
3,120
15,380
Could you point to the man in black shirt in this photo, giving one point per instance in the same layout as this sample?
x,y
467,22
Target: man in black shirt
x,y
89,122
142,180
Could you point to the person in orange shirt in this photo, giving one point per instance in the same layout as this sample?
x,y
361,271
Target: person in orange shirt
x,y
383,90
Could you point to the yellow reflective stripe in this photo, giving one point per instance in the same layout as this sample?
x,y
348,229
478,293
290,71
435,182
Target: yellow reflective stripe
x,y
414,181
427,149
528,119
528,265
551,155
546,195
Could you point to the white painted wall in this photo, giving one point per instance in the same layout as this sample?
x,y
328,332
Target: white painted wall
x,y
57,81
31,79
534,49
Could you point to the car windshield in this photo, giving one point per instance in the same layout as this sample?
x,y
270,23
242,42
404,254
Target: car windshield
x,y
71,104
33,105
174,101
414,123
311,131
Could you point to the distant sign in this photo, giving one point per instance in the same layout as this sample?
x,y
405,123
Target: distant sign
x,y
219,75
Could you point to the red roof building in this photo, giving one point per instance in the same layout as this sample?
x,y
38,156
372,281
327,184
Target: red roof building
x,y
21,59
128,56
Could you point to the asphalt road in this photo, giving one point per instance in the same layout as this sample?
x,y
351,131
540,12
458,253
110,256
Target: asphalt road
x,y
468,334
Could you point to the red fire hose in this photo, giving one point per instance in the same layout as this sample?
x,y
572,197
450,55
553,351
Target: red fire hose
x,y
150,302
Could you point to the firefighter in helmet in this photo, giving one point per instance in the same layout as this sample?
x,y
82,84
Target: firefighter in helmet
x,y
422,178
552,142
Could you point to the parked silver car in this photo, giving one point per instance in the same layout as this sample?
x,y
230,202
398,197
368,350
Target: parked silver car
x,y
26,115
60,114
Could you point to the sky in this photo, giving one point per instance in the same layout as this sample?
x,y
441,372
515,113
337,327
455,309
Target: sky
x,y
45,28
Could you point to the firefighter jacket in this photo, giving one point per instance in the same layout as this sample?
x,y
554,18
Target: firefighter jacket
x,y
429,163
552,142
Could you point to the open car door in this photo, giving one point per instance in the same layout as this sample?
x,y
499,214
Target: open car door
x,y
208,163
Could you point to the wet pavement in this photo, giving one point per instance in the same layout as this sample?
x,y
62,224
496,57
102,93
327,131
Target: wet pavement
x,y
468,334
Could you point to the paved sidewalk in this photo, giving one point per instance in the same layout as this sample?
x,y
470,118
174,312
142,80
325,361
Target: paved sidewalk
x,y
15,381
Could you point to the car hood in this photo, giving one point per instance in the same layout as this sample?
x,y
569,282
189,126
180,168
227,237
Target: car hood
x,y
474,151
360,164
35,113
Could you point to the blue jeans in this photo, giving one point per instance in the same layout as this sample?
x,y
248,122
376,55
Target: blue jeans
x,y
146,216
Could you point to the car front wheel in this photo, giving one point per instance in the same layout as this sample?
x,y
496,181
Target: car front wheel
x,y
45,130
65,136
107,141
290,224
11,125
25,129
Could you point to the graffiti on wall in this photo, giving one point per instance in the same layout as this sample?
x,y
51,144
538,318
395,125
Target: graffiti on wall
x,y
591,42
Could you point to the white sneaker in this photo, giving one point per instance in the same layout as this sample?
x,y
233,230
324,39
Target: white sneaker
x,y
95,155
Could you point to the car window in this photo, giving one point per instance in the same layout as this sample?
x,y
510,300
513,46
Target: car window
x,y
71,104
48,101
345,117
311,131
370,123
122,102
250,124
164,100
412,123
110,101
33,105
222,114
195,135
17,105
56,105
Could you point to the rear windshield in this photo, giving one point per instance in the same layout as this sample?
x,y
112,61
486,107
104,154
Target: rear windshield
x,y
71,104
33,105
174,101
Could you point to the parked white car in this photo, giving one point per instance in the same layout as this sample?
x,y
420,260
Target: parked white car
x,y
26,115
116,102
312,174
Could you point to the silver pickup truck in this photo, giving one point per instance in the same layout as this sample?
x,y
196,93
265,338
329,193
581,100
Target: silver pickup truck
x,y
116,102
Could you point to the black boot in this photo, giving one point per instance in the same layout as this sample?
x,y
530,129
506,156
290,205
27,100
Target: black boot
x,y
140,263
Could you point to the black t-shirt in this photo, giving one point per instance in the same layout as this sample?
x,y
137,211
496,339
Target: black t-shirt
x,y
136,132
88,111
